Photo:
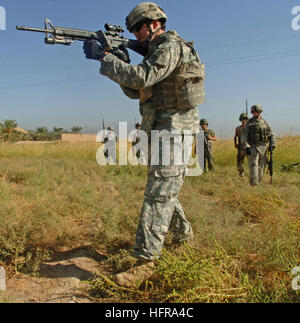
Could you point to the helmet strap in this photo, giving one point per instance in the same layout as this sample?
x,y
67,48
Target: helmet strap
x,y
151,32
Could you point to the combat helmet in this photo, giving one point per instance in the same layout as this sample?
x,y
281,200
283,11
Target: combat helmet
x,y
145,11
243,116
203,122
257,108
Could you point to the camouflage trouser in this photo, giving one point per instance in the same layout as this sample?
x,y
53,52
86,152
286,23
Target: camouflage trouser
x,y
208,159
161,211
240,160
257,163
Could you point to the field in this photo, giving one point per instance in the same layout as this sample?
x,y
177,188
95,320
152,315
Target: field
x,y
65,220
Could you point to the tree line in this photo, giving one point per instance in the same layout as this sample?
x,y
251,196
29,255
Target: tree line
x,y
9,132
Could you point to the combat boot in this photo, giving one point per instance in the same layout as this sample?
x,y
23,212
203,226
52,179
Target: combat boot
x,y
141,271
182,238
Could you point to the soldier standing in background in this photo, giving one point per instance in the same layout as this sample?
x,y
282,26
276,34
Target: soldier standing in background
x,y
209,137
255,138
241,151
110,140
169,83
135,139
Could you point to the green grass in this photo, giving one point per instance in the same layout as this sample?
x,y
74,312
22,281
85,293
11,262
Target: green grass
x,y
246,238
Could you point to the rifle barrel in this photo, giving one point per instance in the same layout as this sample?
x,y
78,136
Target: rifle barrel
x,y
39,30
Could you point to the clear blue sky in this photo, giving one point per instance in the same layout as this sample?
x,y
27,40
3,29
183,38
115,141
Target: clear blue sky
x,y
249,48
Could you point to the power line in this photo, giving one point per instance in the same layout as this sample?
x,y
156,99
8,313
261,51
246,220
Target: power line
x,y
231,61
254,56
67,81
252,60
47,71
214,63
248,43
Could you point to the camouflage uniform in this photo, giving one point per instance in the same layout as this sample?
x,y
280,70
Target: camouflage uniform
x,y
208,158
156,82
256,136
134,137
109,138
241,150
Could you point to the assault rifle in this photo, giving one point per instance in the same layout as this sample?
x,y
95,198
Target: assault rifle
x,y
288,168
109,39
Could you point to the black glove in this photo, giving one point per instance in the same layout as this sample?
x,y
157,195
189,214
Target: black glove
x,y
121,53
248,151
93,50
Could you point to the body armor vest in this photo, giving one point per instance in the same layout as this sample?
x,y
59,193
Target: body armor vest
x,y
184,88
258,132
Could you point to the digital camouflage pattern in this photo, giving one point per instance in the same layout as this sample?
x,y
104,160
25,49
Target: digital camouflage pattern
x,y
161,211
208,157
143,11
257,108
158,83
256,136
155,82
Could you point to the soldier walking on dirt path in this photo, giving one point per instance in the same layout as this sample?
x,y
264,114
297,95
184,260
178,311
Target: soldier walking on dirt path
x,y
255,138
169,84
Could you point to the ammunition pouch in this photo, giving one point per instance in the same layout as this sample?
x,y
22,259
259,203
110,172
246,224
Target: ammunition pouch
x,y
258,135
183,89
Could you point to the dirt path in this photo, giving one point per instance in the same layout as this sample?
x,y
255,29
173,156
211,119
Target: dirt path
x,y
63,279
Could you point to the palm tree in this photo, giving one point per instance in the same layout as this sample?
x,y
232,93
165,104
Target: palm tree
x,y
76,129
7,128
57,130
42,133
57,133
41,130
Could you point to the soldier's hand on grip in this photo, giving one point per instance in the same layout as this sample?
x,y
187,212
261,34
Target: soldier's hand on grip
x,y
122,54
248,151
93,50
